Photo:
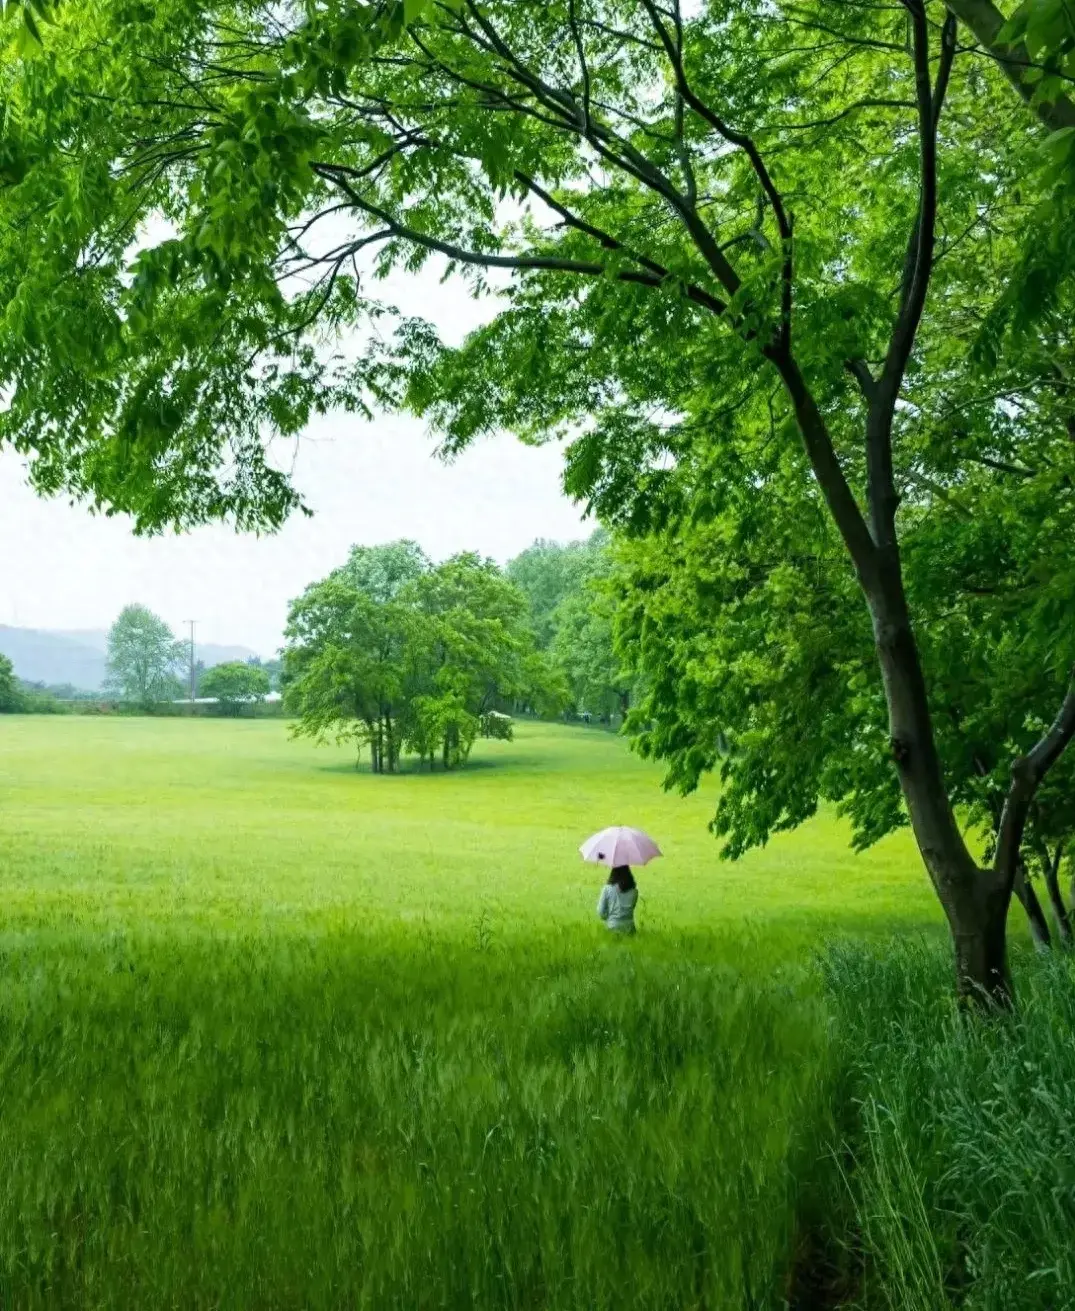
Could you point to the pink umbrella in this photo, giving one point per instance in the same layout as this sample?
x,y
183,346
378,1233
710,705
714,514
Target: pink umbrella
x,y
619,846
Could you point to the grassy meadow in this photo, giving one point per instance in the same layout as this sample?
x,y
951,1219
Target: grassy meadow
x,y
275,1033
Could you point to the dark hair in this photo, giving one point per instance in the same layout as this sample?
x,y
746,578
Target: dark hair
x,y
623,878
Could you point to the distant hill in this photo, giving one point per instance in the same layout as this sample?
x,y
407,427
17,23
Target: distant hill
x,y
42,657
77,656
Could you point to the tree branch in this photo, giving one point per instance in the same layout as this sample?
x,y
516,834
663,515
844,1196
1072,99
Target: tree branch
x,y
918,268
583,66
985,20
860,371
748,146
611,146
1028,772
336,174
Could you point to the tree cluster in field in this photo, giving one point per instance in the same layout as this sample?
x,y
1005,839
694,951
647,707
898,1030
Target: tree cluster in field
x,y
795,281
401,656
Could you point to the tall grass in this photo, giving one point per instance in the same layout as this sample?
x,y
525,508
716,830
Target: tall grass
x,y
274,1034
242,1123
959,1135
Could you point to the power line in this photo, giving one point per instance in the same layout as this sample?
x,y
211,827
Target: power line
x,y
191,623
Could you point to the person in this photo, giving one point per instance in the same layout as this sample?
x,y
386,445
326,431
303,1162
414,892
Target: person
x,y
618,899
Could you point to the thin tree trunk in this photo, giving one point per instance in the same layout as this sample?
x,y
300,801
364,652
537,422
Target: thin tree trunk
x,y
390,742
974,901
1028,899
1050,866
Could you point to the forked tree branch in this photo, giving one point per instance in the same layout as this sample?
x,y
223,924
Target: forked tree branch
x,y
673,47
654,276
1028,773
918,269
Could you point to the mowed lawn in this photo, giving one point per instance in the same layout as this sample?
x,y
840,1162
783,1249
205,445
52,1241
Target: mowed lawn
x,y
274,1033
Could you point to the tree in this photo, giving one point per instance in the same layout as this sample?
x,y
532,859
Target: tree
x,y
234,684
479,653
273,669
547,573
345,670
584,649
406,658
10,697
571,615
382,572
143,657
788,225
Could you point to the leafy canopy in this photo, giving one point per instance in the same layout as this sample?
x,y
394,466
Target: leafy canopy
x,y
210,191
234,683
143,657
398,655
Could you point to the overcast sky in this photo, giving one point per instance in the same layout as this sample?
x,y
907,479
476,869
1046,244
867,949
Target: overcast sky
x,y
366,482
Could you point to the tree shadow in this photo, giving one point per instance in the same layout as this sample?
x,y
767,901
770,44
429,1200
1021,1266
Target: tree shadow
x,y
414,770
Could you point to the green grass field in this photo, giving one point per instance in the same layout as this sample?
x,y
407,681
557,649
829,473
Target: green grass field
x,y
274,1033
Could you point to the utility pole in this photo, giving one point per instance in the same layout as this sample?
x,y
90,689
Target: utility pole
x,y
191,623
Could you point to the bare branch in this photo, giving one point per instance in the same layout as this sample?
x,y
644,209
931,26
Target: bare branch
x,y
336,174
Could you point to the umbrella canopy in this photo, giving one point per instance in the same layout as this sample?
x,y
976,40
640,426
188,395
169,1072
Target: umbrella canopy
x,y
619,846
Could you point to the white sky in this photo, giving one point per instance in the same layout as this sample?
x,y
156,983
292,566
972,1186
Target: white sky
x,y
366,482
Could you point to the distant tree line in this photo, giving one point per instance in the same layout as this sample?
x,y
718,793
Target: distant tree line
x,y
18,697
571,592
147,666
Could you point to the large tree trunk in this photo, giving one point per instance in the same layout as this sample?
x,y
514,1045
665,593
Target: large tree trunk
x,y
974,900
981,946
1028,898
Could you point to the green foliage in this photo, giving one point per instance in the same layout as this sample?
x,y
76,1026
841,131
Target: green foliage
x,y
143,657
547,573
957,1137
571,609
10,698
1046,29
186,294
273,669
497,726
399,655
755,660
234,684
